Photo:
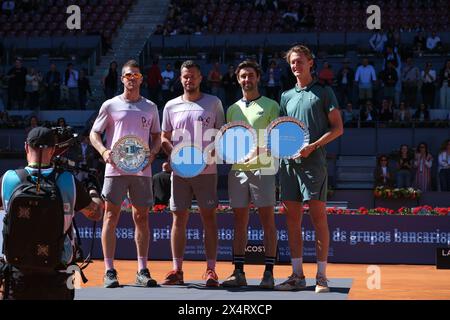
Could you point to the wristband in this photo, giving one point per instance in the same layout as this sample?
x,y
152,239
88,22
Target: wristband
x,y
104,152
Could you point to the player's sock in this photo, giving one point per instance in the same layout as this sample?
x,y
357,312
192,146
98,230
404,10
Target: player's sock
x,y
269,262
297,266
239,262
177,264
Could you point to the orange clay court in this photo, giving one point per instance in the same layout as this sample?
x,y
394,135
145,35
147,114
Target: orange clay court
x,y
398,282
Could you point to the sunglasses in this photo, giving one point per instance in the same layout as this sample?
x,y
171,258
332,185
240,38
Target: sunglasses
x,y
130,76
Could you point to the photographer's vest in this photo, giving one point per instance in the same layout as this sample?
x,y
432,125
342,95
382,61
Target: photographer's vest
x,y
66,184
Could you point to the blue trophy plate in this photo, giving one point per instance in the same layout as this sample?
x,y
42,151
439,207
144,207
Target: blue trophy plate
x,y
285,137
187,160
235,142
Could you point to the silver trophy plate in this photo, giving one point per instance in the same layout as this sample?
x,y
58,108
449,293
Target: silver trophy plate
x,y
286,136
130,154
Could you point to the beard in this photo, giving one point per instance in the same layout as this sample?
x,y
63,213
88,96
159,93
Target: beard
x,y
191,88
249,87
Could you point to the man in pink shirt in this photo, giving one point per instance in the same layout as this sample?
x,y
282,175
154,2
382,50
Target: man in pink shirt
x,y
127,114
182,117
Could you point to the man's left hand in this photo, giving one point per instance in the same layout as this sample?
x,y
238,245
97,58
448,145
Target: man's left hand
x,y
307,150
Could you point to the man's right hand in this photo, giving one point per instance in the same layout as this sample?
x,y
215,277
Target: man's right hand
x,y
107,156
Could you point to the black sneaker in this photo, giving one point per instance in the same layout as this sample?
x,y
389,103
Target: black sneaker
x,y
110,279
144,279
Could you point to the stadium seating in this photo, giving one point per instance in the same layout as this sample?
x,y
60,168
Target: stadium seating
x,y
98,16
228,16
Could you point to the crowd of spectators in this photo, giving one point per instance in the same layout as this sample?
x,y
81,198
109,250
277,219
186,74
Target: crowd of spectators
x,y
413,168
227,16
27,88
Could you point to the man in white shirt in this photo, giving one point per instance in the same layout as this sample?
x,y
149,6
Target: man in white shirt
x,y
364,77
433,42
167,86
71,82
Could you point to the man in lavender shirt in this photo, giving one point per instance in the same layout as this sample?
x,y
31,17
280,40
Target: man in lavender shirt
x,y
184,117
127,114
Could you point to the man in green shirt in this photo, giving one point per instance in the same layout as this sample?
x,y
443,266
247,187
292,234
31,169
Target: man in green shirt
x,y
305,178
253,180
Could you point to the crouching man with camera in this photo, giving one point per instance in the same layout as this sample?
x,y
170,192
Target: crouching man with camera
x,y
39,241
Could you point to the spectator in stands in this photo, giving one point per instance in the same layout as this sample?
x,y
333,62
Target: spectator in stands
x,y
428,77
386,113
34,122
348,116
444,166
389,79
444,83
61,122
434,42
345,78
422,114
70,81
420,42
378,40
410,82
382,173
365,77
52,83
403,114
272,79
368,113
308,20
8,7
326,75
404,166
261,59
110,81
33,80
390,34
159,30
230,86
177,86
161,185
16,85
392,56
422,163
291,18
154,82
167,86
214,79
84,88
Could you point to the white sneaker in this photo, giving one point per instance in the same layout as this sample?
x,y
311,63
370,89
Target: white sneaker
x,y
322,284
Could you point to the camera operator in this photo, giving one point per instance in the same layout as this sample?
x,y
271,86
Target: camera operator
x,y
87,159
40,147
